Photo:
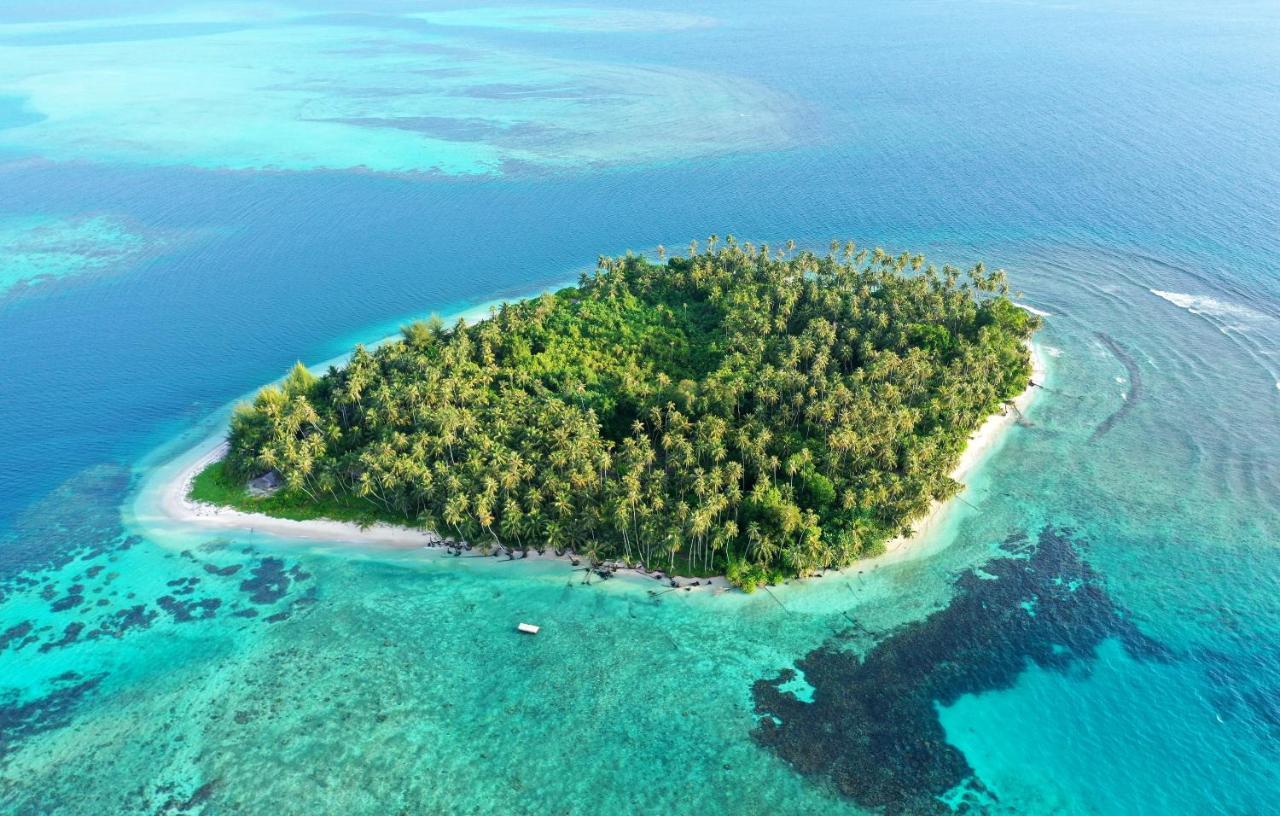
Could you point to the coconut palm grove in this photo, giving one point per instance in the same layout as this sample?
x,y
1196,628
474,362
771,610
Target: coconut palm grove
x,y
741,411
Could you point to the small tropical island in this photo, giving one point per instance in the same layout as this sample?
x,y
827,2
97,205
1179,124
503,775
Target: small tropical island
x,y
742,411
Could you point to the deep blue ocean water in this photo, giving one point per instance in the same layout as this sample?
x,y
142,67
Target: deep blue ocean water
x,y
190,201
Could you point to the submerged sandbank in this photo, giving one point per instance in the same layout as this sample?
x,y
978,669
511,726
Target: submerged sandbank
x,y
173,502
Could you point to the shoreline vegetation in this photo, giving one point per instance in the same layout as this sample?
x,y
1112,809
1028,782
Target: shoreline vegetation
x,y
742,412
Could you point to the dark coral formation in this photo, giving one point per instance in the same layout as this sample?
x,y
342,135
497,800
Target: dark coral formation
x,y
71,600
20,719
872,727
186,611
18,634
124,620
77,537
194,803
184,586
1135,385
79,519
270,582
69,635
172,798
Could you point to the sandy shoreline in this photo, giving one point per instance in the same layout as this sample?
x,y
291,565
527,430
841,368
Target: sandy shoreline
x,y
980,444
175,504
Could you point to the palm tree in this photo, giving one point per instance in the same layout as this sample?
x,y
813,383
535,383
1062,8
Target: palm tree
x,y
600,417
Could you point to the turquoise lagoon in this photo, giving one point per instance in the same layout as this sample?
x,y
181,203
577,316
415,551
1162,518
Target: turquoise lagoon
x,y
192,199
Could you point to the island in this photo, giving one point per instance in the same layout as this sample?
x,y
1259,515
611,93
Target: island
x,y
741,410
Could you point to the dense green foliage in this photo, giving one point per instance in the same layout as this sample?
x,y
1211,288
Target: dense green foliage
x,y
738,409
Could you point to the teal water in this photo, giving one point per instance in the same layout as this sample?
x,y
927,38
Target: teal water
x,y
191,200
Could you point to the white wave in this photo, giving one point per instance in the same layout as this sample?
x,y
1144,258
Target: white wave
x,y
1211,307
1034,310
1053,351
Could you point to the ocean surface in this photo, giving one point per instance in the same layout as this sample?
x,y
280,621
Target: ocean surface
x,y
192,198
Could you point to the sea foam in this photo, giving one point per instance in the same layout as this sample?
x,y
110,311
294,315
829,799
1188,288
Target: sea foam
x,y
1034,310
1206,306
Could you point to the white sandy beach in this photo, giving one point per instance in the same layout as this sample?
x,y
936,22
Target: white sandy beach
x,y
991,432
175,504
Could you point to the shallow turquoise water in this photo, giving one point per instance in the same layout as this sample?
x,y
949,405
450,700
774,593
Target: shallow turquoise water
x,y
168,243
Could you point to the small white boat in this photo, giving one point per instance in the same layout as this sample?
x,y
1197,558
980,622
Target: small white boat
x,y
528,628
